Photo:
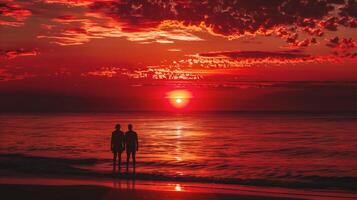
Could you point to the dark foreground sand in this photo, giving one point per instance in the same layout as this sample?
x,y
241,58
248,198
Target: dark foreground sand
x,y
88,192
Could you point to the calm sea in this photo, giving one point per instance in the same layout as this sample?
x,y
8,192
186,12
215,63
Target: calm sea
x,y
297,150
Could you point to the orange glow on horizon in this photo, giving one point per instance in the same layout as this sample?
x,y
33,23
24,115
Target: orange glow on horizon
x,y
179,98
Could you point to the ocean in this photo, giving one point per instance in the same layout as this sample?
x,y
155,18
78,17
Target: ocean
x,y
274,149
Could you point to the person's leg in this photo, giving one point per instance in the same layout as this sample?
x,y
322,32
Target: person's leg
x,y
134,159
127,160
119,160
114,160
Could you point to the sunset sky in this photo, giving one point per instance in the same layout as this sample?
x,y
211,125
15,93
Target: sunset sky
x,y
231,55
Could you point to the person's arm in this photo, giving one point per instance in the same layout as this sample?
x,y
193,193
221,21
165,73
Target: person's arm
x,y
137,142
123,142
111,143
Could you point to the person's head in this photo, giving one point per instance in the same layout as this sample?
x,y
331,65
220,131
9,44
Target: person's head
x,y
130,127
117,126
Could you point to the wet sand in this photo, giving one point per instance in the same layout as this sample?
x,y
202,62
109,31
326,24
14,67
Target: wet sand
x,y
91,192
25,186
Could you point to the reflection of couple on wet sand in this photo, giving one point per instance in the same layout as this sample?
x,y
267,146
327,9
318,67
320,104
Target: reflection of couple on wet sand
x,y
121,142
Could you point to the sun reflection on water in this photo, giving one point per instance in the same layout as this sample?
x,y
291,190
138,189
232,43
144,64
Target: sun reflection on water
x,y
178,187
178,143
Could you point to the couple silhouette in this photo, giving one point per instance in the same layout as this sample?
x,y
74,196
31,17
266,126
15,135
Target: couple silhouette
x,y
120,142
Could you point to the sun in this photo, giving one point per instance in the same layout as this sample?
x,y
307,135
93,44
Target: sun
x,y
179,98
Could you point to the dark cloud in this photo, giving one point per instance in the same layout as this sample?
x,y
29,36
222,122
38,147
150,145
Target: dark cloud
x,y
342,44
293,54
299,22
66,18
243,59
314,31
12,14
350,9
345,47
296,44
226,17
330,24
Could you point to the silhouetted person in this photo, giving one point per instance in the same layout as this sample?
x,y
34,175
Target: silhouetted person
x,y
131,145
117,145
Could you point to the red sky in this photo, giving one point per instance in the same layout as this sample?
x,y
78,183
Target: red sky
x,y
97,55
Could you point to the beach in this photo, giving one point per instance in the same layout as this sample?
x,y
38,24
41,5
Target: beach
x,y
41,192
40,187
28,184
212,156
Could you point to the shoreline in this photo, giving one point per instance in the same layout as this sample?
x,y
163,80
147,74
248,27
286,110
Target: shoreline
x,y
90,192
27,165
36,186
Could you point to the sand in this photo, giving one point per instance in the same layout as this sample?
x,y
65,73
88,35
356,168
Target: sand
x,y
15,186
91,192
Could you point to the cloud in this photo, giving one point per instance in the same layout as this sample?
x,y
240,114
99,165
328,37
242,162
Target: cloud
x,y
342,44
12,14
11,54
296,44
164,73
345,47
74,3
226,17
350,9
149,72
256,54
67,19
80,30
236,59
203,65
239,59
167,21
174,50
103,72
278,84
150,21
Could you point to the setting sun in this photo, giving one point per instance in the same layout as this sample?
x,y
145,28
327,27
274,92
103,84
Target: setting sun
x,y
179,98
